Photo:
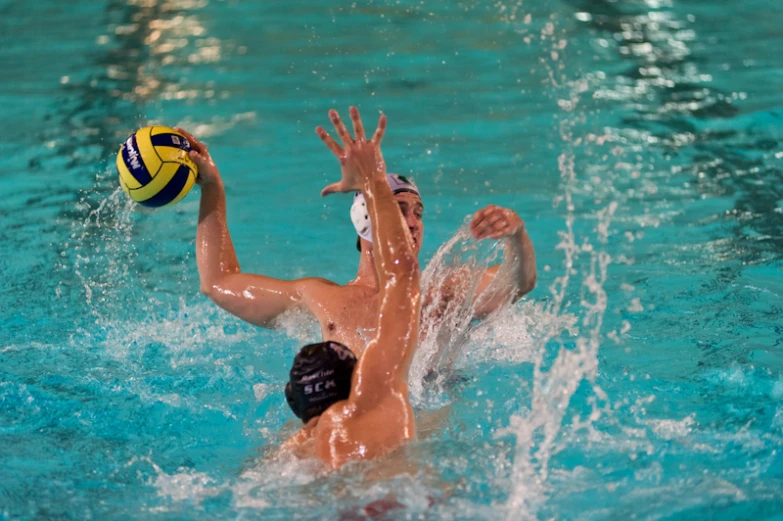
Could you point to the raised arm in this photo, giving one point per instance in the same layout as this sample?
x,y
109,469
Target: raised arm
x,y
501,223
383,366
254,298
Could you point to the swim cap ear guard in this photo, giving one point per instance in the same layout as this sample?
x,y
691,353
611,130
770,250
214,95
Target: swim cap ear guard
x,y
320,377
360,217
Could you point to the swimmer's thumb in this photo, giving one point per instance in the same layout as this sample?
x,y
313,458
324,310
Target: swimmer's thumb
x,y
331,189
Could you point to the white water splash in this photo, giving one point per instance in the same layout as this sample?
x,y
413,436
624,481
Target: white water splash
x,y
185,485
536,429
104,238
512,335
451,338
277,480
449,287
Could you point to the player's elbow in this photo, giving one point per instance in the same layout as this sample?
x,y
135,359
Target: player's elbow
x,y
214,286
529,285
212,290
525,286
208,290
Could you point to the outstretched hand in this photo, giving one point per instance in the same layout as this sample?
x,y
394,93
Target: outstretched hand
x,y
207,170
359,158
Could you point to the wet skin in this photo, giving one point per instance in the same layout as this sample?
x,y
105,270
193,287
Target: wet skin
x,y
377,417
347,314
366,307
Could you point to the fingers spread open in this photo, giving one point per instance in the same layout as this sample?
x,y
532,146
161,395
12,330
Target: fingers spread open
x,y
340,127
358,129
329,142
380,131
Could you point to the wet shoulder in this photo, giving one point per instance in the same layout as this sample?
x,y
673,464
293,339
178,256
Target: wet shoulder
x,y
317,287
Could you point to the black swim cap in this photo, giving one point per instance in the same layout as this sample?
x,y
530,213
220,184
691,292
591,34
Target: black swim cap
x,y
320,377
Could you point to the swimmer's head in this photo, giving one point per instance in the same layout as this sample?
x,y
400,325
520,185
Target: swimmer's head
x,y
409,199
319,378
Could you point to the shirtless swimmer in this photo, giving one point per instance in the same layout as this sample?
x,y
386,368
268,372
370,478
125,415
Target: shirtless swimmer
x,y
343,311
356,410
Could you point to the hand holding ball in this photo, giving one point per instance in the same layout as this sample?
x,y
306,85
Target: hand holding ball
x,y
154,166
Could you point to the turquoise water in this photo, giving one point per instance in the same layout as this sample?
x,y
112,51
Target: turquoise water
x,y
639,141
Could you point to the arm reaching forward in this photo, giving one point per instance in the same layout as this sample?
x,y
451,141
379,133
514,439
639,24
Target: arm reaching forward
x,y
384,364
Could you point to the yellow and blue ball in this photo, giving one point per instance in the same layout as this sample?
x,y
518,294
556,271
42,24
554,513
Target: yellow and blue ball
x,y
154,166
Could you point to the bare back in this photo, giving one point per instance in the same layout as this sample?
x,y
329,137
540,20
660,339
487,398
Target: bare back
x,y
341,435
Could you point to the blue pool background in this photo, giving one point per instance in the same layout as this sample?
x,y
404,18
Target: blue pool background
x,y
638,137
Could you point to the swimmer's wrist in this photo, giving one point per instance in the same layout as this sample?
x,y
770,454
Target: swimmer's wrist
x,y
211,183
371,178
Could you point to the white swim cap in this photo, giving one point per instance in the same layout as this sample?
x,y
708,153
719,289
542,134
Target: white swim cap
x,y
359,214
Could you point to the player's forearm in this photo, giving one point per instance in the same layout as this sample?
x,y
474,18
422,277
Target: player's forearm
x,y
215,254
392,245
494,294
524,262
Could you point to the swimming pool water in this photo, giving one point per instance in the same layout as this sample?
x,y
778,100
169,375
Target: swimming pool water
x,y
639,141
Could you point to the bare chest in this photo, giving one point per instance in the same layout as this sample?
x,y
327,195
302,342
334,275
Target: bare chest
x,y
348,315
